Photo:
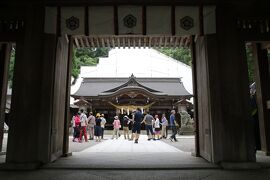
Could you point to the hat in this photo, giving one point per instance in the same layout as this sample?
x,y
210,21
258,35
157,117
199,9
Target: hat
x,y
97,115
115,117
125,116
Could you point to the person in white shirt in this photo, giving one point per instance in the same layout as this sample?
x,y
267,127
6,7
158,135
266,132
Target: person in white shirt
x,y
84,124
157,127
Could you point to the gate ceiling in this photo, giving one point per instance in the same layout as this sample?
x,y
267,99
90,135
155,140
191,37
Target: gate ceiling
x,y
114,41
130,26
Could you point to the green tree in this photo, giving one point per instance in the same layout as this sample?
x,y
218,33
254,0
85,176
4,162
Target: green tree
x,y
11,67
181,54
250,63
86,57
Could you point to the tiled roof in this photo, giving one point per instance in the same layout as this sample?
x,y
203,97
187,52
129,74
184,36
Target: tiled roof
x,y
92,87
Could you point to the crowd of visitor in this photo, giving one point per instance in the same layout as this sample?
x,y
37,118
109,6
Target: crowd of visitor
x,y
156,127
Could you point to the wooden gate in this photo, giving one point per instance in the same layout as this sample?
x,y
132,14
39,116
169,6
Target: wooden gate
x,y
205,142
59,100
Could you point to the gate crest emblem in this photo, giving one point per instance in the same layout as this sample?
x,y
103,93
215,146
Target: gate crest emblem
x,y
187,23
72,23
130,21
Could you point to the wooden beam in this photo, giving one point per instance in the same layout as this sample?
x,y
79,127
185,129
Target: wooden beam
x,y
134,42
160,41
108,42
102,42
166,39
123,42
181,42
86,41
97,42
91,41
128,38
187,42
81,41
113,43
176,40
76,42
118,42
144,45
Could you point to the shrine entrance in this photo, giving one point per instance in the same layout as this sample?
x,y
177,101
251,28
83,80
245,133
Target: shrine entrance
x,y
45,36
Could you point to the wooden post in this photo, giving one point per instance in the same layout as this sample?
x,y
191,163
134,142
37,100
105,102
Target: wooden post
x,y
262,80
67,109
195,98
4,64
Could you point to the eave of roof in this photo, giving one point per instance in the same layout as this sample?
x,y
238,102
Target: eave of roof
x,y
93,87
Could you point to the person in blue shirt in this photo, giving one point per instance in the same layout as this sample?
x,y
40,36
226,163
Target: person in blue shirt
x,y
173,126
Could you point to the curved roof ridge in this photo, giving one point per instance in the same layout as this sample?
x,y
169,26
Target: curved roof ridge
x,y
131,82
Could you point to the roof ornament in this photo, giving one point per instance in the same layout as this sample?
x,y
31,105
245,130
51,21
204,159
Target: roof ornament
x,y
132,81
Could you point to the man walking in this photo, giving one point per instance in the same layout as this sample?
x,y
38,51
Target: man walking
x,y
173,126
147,120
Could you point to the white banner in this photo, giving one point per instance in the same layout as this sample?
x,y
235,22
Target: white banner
x,y
130,19
101,20
187,20
158,20
72,20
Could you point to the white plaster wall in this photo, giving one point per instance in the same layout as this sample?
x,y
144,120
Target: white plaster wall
x,y
141,62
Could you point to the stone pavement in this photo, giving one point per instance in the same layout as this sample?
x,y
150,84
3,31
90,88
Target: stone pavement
x,y
123,154
121,159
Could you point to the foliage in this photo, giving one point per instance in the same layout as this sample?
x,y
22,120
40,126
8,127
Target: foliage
x,y
250,63
86,57
11,67
181,54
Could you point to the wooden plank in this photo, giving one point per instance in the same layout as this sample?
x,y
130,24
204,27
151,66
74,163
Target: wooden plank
x,y
134,42
97,42
91,39
102,42
76,42
181,42
128,39
144,45
160,41
176,41
86,41
118,42
81,41
108,42
166,39
113,43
